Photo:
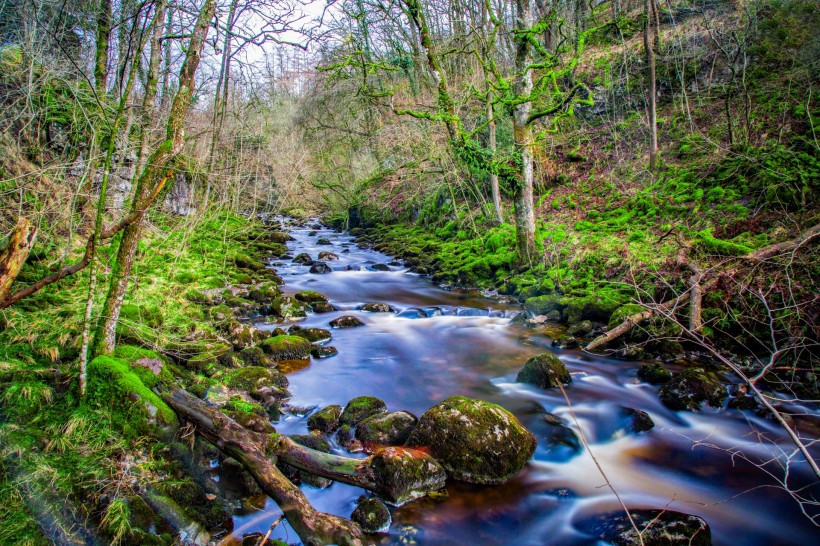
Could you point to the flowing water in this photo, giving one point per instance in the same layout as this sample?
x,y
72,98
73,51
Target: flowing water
x,y
469,347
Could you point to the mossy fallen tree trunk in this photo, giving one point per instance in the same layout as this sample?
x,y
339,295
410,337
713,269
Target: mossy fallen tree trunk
x,y
14,255
252,450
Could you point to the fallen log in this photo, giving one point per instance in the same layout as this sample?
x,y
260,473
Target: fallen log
x,y
251,449
15,254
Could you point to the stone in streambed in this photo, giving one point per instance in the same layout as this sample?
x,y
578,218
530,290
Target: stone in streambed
x,y
632,351
303,258
327,256
638,420
361,408
314,335
323,351
565,342
657,528
324,241
544,370
691,388
387,429
371,514
320,268
326,419
379,267
475,441
654,374
287,347
309,296
580,329
322,307
403,474
376,307
346,321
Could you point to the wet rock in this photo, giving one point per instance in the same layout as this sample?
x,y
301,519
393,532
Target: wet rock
x,y
252,378
657,528
312,233
353,267
327,256
254,356
413,313
654,374
323,351
218,395
371,514
580,329
346,321
314,335
743,403
387,429
303,258
287,347
544,371
326,419
404,474
322,307
309,296
324,241
474,441
639,420
632,351
541,305
288,308
361,408
565,342
379,267
665,349
691,388
240,335
554,316
377,308
345,436
320,268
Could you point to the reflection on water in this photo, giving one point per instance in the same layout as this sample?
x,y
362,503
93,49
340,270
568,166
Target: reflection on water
x,y
414,359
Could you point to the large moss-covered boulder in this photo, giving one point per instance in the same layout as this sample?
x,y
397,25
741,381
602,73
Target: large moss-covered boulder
x,y
691,388
386,429
288,307
252,378
622,313
541,305
309,296
657,528
544,370
326,419
475,441
287,347
361,408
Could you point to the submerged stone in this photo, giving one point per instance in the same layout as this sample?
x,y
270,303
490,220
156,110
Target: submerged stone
x,y
346,321
657,528
691,388
544,370
361,408
475,441
387,429
371,514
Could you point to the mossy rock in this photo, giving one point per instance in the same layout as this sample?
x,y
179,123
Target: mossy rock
x,y
322,307
288,307
377,308
371,514
112,382
581,329
323,351
287,347
598,306
541,305
309,296
219,313
346,321
360,408
387,429
622,313
657,527
326,419
631,351
475,441
303,258
691,388
246,262
654,374
314,335
212,357
403,474
252,378
544,371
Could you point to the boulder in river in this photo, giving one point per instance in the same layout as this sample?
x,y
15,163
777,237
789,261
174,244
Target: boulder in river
x,y
360,408
323,351
475,441
377,308
320,268
631,351
565,342
638,420
288,308
314,335
303,258
386,429
346,321
287,347
379,267
326,419
322,307
544,370
657,528
327,256
323,241
371,514
691,388
654,374
580,329
309,296
405,474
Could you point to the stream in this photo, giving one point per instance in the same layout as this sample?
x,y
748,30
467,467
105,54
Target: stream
x,y
469,347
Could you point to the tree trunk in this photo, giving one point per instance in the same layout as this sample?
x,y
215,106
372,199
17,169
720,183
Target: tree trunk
x,y
250,449
102,45
494,188
652,90
14,256
150,182
524,139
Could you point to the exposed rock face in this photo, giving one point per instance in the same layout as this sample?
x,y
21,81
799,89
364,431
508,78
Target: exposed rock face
x,y
474,441
371,514
326,419
387,429
657,527
361,408
544,370
346,321
691,388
